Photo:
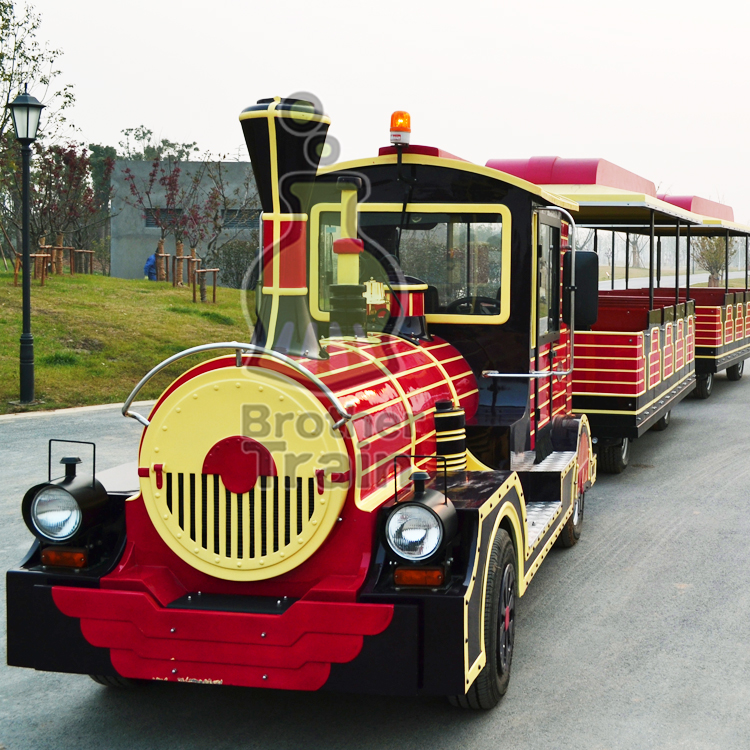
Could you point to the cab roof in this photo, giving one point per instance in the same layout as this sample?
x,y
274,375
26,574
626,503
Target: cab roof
x,y
431,156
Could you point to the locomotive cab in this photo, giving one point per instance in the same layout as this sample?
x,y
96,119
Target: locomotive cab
x,y
485,259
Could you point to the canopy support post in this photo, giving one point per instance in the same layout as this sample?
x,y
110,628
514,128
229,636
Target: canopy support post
x,y
651,265
687,264
627,259
726,262
658,261
677,266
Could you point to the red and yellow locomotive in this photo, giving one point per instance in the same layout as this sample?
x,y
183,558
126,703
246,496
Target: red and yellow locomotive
x,y
355,499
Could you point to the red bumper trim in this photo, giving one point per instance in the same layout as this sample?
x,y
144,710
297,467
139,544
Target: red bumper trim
x,y
292,651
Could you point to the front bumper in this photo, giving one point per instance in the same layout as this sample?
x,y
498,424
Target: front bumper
x,y
309,646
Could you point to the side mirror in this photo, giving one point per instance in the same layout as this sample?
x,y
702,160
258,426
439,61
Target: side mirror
x,y
587,288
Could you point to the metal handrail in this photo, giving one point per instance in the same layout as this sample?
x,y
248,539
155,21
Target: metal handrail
x,y
239,348
552,373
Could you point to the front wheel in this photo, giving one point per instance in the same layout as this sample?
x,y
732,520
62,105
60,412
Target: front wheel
x,y
704,385
613,459
499,628
735,371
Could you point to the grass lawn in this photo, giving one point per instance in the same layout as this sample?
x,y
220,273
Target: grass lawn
x,y
95,337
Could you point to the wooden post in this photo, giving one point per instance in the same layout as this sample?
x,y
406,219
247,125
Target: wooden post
x,y
196,271
201,272
191,268
160,260
179,250
57,258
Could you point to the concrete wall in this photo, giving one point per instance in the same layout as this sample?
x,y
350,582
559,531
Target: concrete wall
x,y
132,240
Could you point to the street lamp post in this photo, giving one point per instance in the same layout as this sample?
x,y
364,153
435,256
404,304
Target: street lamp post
x,y
26,111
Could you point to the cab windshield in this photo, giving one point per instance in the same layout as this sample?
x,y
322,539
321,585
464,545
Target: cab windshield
x,y
458,256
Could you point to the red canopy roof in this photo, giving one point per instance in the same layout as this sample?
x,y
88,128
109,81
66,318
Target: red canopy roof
x,y
552,170
700,205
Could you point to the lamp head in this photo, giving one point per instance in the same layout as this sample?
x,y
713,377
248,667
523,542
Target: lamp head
x,y
26,111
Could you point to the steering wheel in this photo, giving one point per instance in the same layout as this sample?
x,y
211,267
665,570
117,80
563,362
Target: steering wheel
x,y
474,306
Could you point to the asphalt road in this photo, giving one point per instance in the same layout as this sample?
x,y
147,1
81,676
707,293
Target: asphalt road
x,y
638,637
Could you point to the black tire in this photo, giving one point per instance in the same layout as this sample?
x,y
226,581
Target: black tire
x,y
613,459
735,371
571,532
704,386
661,424
123,683
492,682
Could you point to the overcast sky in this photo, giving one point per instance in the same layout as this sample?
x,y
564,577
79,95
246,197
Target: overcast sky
x,y
656,86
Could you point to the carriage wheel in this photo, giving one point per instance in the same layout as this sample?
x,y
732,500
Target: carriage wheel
x,y
735,371
613,459
661,424
704,385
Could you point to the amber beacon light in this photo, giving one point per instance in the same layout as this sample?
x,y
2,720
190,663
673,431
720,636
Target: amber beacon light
x,y
400,127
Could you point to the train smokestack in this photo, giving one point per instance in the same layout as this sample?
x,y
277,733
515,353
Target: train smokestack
x,y
285,140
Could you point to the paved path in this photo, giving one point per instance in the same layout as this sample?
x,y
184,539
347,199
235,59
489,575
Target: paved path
x,y
636,638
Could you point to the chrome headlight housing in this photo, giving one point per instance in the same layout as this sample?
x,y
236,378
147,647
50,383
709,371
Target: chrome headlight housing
x,y
414,532
55,514
420,529
63,509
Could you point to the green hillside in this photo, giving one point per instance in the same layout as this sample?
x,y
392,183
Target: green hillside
x,y
95,337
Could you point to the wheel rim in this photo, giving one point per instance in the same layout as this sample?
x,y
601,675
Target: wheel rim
x,y
709,382
740,368
667,417
625,450
506,618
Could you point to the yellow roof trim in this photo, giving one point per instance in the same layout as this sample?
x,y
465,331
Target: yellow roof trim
x,y
601,195
464,166
733,226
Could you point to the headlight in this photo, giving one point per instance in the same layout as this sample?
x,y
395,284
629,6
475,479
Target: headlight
x,y
55,514
414,532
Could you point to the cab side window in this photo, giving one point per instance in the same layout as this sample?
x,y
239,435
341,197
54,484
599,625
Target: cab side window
x,y
548,284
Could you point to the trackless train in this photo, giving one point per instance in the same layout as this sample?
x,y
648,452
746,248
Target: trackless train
x,y
355,499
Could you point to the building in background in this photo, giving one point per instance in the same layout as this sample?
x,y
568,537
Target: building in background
x,y
221,197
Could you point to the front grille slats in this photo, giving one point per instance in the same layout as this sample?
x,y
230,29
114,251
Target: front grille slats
x,y
240,527
251,523
206,521
191,515
263,526
217,514
287,509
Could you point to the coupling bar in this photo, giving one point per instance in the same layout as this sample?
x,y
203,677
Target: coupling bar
x,y
239,349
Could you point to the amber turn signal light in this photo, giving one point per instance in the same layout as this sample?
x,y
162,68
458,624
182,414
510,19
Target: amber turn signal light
x,y
403,576
65,558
